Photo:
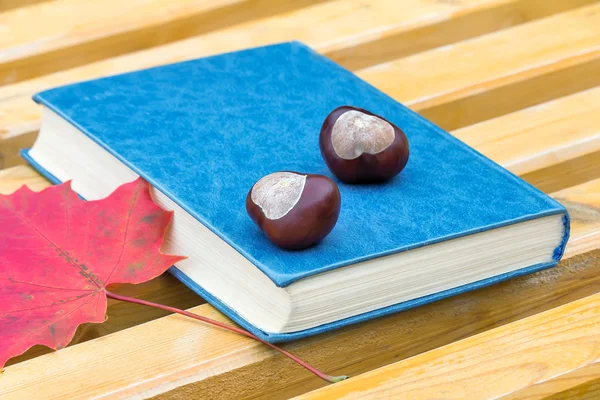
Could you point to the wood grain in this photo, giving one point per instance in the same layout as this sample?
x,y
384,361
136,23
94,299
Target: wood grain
x,y
46,37
455,26
343,30
490,364
491,76
581,384
195,361
540,136
13,178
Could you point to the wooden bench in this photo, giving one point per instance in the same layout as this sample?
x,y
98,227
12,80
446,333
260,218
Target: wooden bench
x,y
519,80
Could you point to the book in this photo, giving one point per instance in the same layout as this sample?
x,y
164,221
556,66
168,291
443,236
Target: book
x,y
202,132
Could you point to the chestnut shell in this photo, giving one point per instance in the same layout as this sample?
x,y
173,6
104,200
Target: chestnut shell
x,y
366,168
309,221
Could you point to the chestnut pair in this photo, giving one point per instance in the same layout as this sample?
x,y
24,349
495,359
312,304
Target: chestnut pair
x,y
296,210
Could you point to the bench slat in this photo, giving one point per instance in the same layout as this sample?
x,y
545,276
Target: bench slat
x,y
174,351
46,37
13,178
497,73
458,26
490,364
580,384
540,136
344,30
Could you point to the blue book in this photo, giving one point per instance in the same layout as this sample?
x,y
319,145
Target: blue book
x,y
203,132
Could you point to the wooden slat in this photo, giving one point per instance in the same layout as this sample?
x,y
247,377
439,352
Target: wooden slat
x,y
552,146
515,130
495,74
196,361
580,384
345,30
490,364
540,136
46,37
457,25
13,178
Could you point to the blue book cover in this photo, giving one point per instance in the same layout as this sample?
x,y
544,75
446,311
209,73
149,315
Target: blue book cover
x,y
204,131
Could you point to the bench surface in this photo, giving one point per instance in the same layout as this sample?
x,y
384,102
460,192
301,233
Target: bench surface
x,y
518,80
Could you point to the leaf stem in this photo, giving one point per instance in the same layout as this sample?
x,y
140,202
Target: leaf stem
x,y
325,377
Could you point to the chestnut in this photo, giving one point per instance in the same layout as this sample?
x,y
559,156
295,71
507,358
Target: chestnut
x,y
361,147
294,210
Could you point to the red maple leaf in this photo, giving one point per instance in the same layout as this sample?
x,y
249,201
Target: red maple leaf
x,y
58,253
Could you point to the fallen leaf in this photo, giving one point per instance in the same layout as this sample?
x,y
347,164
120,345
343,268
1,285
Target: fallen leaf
x,y
58,253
